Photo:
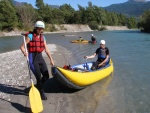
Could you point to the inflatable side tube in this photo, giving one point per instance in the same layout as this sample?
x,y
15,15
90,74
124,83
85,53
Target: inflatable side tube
x,y
59,77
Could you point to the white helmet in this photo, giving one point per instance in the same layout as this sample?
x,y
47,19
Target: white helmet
x,y
91,34
102,42
39,24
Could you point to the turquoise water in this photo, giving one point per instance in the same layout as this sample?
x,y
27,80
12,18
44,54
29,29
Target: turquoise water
x,y
129,89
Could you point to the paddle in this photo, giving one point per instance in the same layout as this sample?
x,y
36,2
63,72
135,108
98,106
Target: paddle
x,y
34,95
86,65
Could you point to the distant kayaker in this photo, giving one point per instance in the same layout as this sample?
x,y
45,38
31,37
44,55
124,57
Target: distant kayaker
x,y
80,39
36,43
102,54
93,38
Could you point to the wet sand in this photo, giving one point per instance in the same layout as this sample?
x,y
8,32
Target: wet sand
x,y
15,85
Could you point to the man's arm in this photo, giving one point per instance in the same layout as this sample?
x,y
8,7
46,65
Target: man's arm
x,y
91,56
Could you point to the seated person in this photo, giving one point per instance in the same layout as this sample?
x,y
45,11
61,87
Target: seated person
x,y
80,38
93,38
103,56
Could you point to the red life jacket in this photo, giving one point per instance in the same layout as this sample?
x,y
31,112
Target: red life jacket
x,y
36,44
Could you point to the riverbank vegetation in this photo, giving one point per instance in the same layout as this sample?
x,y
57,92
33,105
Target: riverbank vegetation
x,y
144,23
22,17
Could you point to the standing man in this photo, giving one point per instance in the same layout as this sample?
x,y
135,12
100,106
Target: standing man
x,y
36,43
102,54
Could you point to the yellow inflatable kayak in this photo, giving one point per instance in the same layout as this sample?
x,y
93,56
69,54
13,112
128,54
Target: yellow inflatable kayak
x,y
78,41
81,76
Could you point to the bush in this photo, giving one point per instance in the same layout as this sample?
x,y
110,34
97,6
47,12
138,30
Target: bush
x,y
93,25
102,28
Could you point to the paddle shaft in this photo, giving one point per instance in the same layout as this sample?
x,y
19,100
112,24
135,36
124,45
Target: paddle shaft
x,y
25,46
85,64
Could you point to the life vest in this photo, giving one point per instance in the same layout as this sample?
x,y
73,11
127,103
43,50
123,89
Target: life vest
x,y
93,38
102,53
36,44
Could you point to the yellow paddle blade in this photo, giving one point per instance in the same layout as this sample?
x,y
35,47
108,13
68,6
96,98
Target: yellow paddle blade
x,y
35,100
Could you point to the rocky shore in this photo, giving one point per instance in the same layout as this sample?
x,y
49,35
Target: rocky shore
x,y
65,28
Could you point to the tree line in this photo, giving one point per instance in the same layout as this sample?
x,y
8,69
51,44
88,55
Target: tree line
x,y
144,23
24,16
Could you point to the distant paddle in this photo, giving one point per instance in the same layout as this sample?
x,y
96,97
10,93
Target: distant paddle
x,y
34,95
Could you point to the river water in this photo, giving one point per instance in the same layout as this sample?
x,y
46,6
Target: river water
x,y
128,90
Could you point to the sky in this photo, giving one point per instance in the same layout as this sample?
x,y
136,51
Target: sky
x,y
74,3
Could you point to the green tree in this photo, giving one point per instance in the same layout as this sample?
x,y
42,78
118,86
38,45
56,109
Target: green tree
x,y
68,13
40,9
122,20
131,23
27,15
82,14
90,16
39,4
90,12
145,21
77,18
47,14
114,19
8,18
100,15
108,18
58,17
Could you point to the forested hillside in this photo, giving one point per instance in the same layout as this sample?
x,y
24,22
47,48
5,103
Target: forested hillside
x,y
130,8
23,16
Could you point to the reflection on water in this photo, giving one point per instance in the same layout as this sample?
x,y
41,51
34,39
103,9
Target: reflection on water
x,y
128,91
93,94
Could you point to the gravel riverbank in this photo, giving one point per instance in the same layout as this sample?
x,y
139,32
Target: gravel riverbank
x,y
66,28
